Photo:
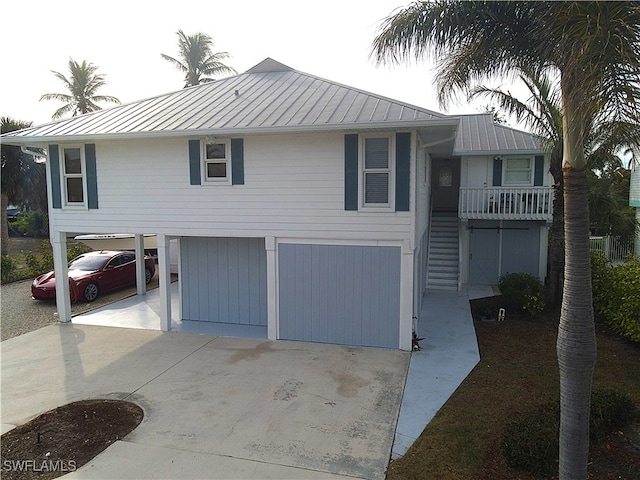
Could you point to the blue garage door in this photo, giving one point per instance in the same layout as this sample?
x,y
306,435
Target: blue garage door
x,y
347,295
224,280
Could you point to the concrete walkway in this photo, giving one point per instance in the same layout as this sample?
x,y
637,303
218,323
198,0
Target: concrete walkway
x,y
449,353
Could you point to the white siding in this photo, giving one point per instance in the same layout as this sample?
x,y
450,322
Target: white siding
x,y
294,186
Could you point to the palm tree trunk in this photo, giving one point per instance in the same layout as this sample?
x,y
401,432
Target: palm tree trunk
x,y
576,346
556,246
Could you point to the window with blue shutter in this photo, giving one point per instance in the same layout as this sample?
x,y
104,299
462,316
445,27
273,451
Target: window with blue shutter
x,y
219,162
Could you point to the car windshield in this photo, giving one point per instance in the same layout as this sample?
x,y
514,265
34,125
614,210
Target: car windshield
x,y
87,263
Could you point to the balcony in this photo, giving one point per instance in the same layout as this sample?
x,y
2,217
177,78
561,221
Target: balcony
x,y
505,203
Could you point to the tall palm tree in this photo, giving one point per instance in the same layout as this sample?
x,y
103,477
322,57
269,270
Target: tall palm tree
x,y
541,113
594,48
197,60
82,84
22,179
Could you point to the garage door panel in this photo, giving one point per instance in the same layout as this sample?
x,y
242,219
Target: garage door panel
x,y
339,294
224,280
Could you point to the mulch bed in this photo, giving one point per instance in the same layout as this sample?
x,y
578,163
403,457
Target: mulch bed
x,y
64,439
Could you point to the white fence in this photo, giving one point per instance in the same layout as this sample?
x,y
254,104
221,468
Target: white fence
x,y
613,248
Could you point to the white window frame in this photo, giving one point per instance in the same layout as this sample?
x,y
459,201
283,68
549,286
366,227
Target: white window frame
x,y
206,180
64,176
505,169
390,170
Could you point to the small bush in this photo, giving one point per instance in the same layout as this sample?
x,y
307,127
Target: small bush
x,y
8,268
523,291
530,442
610,410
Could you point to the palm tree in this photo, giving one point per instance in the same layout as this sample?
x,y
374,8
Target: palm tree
x,y
22,179
594,49
82,84
541,113
197,60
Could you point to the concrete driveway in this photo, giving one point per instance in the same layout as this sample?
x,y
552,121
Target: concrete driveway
x,y
215,407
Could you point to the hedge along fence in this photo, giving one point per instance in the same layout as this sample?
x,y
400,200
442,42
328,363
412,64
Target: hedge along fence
x,y
616,294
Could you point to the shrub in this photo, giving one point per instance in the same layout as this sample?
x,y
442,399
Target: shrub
x,y
43,262
616,295
523,291
32,224
610,410
8,268
530,442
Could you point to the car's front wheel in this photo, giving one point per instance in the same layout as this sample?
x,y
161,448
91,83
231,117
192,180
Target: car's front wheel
x,y
90,292
148,275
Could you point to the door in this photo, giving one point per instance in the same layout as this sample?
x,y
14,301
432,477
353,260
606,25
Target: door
x,y
340,294
445,185
484,251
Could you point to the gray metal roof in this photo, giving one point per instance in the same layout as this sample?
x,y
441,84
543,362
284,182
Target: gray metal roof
x,y
479,134
269,97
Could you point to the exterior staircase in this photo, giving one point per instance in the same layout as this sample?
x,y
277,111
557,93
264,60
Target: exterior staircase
x,y
443,268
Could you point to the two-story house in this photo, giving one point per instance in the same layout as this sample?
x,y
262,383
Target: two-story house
x,y
304,209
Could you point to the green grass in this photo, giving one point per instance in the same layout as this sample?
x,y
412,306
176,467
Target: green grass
x,y
517,372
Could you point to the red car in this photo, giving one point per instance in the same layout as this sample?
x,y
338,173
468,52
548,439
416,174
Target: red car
x,y
93,273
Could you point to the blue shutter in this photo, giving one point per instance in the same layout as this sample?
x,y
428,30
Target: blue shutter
x,y
194,162
403,171
237,161
54,166
351,171
92,176
497,171
538,173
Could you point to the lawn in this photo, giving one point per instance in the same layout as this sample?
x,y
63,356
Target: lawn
x,y
517,372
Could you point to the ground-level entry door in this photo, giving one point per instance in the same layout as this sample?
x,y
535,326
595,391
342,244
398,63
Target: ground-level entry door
x,y
484,248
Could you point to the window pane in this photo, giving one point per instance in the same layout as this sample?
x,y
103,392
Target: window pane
x,y
376,153
74,190
518,177
216,170
215,150
518,164
376,188
72,163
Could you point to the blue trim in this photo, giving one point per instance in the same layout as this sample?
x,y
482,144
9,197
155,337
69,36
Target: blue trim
x,y
403,171
497,172
194,162
538,173
351,171
237,161
92,176
54,167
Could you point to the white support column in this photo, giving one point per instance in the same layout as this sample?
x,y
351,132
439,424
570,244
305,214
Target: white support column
x,y
60,266
272,288
139,246
164,280
406,297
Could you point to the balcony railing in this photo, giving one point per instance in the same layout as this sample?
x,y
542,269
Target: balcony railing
x,y
505,203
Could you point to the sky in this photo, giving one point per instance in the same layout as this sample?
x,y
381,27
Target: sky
x,y
330,39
